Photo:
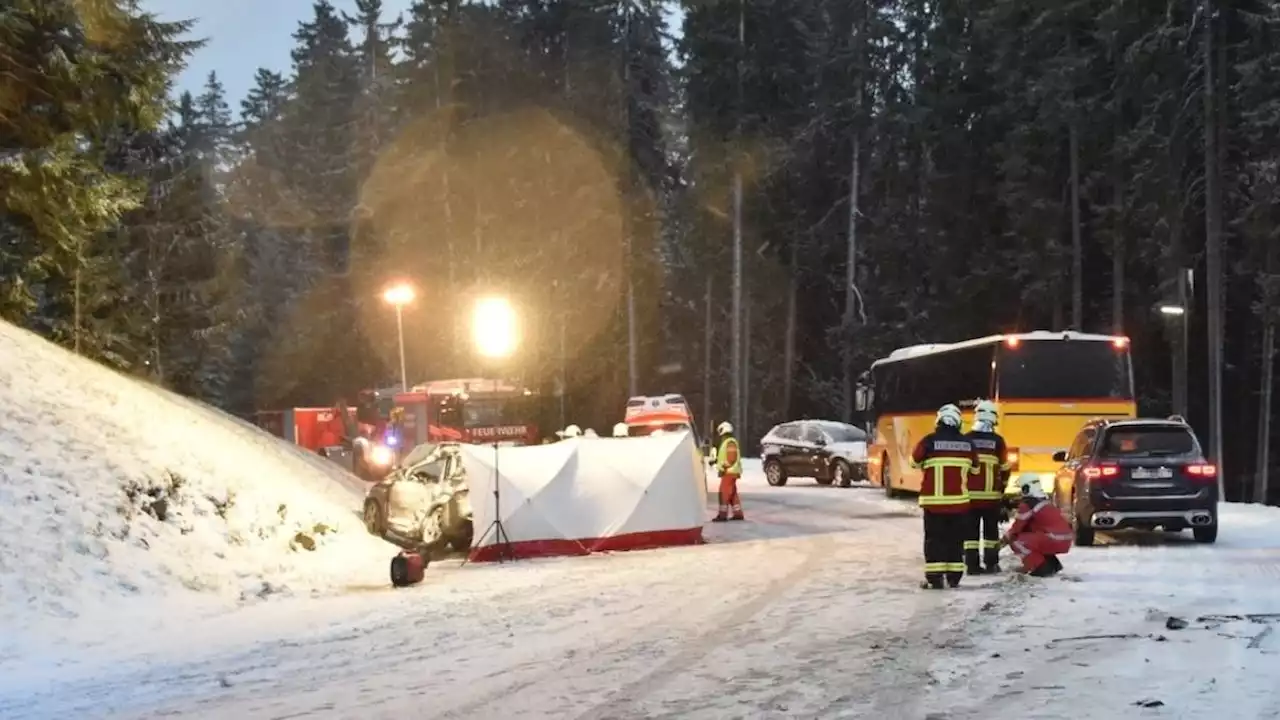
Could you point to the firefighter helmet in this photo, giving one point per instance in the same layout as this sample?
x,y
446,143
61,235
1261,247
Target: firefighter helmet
x,y
571,431
1031,487
987,412
724,428
949,415
620,430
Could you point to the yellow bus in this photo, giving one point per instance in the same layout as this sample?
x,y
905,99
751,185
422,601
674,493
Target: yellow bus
x,y
1047,384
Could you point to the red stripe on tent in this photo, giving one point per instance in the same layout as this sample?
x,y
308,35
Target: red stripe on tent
x,y
586,546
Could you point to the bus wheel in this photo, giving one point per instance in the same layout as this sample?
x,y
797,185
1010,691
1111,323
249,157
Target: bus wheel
x,y
886,478
773,473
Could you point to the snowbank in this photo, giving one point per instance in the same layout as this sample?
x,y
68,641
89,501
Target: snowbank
x,y
121,503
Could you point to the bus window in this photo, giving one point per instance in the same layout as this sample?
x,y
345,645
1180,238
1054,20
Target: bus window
x,y
928,382
1053,369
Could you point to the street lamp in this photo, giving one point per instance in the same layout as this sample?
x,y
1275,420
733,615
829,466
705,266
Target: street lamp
x,y
399,295
1179,310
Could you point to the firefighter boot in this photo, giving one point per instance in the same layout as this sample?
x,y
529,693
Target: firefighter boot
x,y
720,518
972,566
1045,569
1055,565
932,581
992,560
953,579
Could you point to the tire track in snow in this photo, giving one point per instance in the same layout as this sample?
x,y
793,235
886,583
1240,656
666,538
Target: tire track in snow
x,y
584,660
704,644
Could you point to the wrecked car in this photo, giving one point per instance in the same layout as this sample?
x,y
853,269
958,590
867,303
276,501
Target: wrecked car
x,y
424,503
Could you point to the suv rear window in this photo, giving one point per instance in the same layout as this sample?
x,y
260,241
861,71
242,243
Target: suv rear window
x,y
1149,441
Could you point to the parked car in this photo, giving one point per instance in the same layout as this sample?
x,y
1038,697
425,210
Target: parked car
x,y
829,452
423,504
1142,474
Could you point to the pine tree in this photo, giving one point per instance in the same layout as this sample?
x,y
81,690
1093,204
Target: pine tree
x,y
102,70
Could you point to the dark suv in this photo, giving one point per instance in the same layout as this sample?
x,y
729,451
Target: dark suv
x,y
1141,474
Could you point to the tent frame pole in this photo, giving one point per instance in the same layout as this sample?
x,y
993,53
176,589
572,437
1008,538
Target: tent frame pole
x,y
499,531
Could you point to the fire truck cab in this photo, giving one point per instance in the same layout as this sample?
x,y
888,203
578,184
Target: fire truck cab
x,y
470,410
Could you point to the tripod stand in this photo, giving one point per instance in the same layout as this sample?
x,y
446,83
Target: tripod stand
x,y
501,540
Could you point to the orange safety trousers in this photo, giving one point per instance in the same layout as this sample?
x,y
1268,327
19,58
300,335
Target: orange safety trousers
x,y
729,496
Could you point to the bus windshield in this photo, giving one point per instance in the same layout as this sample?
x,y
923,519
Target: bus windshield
x,y
1064,369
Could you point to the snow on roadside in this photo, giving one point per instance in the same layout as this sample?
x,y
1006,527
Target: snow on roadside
x,y
1099,641
127,505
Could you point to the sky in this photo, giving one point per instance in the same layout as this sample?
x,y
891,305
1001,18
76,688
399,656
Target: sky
x,y
243,35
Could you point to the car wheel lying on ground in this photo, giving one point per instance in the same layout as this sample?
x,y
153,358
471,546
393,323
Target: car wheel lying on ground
x,y
831,453
1139,474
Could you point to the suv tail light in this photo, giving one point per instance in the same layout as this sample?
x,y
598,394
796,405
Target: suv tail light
x,y
1203,472
1101,473
1012,456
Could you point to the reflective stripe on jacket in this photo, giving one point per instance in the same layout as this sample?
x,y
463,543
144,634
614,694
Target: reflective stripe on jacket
x,y
986,487
947,459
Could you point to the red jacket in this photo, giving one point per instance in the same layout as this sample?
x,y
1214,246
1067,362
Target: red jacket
x,y
986,487
947,459
1042,518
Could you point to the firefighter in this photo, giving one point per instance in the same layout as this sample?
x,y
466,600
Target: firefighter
x,y
986,492
947,459
1039,533
729,466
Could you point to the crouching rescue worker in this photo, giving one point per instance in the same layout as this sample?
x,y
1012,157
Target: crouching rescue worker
x,y
1039,533
986,491
947,459
729,466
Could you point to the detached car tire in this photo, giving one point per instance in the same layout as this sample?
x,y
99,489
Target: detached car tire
x,y
774,474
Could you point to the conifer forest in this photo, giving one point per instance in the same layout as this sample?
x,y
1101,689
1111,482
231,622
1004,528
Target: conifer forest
x,y
892,172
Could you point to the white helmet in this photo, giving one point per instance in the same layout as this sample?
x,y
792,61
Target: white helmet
x,y
590,433
1031,487
987,412
620,430
571,431
949,415
724,428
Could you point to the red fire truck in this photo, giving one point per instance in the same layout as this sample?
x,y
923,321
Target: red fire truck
x,y
472,410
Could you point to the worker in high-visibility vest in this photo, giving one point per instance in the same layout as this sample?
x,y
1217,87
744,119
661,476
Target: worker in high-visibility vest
x,y
729,467
947,459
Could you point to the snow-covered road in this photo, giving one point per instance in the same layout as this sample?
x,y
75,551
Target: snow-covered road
x,y
808,610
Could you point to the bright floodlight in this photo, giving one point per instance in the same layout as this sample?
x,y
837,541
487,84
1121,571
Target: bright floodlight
x,y
1172,310
401,294
494,327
